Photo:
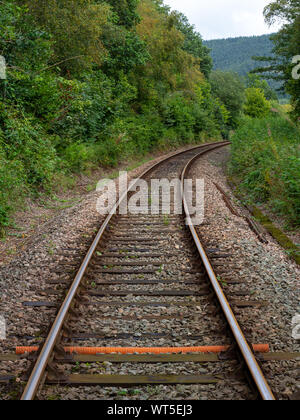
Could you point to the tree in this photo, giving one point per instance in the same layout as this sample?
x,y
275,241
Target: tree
x,y
286,41
229,88
125,50
76,26
280,10
253,80
256,105
170,66
126,11
193,43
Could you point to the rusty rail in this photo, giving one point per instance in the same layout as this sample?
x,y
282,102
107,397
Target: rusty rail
x,y
247,353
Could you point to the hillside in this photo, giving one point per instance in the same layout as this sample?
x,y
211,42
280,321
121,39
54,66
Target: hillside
x,y
236,54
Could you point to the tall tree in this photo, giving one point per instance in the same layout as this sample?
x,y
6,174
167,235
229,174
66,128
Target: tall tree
x,y
229,88
76,27
170,64
255,81
193,43
126,11
125,49
286,41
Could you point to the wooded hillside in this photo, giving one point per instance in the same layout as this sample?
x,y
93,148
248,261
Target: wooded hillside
x,y
236,54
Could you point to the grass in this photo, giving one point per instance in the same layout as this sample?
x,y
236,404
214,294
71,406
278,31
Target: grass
x,y
51,248
11,251
292,249
91,187
62,203
161,269
166,220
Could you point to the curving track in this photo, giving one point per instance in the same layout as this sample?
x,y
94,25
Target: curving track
x,y
147,263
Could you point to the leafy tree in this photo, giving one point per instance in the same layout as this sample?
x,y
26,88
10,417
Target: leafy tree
x,y
125,50
76,26
229,88
92,82
193,43
282,10
253,80
286,46
256,105
169,62
126,11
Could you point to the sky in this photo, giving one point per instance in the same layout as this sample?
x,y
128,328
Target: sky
x,y
225,18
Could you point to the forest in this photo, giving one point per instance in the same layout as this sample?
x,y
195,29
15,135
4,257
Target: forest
x,y
92,83
238,55
235,54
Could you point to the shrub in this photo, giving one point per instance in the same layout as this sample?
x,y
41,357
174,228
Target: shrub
x,y
256,105
12,188
26,142
176,112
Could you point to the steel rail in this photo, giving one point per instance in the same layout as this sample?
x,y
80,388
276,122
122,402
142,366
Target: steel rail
x,y
248,355
52,339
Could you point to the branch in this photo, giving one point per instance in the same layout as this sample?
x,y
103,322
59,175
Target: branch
x,y
60,62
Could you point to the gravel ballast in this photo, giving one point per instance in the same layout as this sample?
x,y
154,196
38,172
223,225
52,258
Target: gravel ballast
x,y
268,274
266,269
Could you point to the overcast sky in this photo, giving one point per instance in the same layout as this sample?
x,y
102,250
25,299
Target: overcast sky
x,y
225,18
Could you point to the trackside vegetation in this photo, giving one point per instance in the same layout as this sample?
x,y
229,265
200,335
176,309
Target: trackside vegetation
x,y
266,145
93,83
266,162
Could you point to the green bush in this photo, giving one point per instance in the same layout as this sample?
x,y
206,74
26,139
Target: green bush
x,y
256,105
266,161
82,156
12,188
176,111
26,142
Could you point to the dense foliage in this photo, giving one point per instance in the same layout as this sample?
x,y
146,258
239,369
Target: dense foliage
x,y
255,81
279,66
266,161
256,105
230,88
266,154
91,82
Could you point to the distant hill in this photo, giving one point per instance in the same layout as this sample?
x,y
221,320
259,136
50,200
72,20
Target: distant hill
x,y
235,54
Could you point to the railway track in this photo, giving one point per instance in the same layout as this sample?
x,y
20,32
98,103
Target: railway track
x,y
147,292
